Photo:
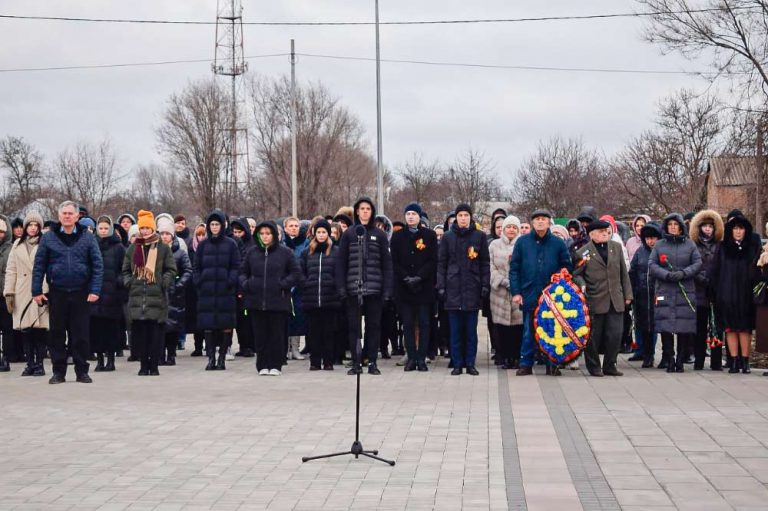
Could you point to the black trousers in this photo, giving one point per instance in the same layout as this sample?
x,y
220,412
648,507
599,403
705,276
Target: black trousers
x,y
34,341
6,329
372,310
322,330
69,321
607,331
388,327
416,315
170,340
244,331
105,335
199,336
217,339
341,339
700,341
444,328
148,338
270,331
509,340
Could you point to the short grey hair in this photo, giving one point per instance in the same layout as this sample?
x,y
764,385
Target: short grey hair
x,y
66,204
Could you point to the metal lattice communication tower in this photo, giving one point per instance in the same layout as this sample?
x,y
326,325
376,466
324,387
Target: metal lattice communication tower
x,y
229,61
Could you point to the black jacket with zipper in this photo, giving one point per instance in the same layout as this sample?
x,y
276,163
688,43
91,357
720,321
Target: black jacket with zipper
x,y
318,279
267,275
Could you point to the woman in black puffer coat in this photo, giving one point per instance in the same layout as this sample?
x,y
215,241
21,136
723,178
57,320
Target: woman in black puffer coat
x,y
107,313
215,274
674,263
267,274
320,295
733,276
241,233
175,325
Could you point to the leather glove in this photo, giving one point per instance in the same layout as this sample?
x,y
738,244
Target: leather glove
x,y
485,293
441,295
9,303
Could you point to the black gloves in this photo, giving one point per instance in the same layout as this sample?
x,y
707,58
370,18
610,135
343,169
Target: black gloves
x,y
441,295
485,293
676,276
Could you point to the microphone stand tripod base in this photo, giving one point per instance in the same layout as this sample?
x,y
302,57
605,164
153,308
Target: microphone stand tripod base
x,y
356,450
357,447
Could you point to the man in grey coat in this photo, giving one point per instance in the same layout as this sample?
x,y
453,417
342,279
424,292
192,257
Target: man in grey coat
x,y
601,269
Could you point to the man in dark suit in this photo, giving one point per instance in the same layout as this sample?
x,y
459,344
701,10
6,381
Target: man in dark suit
x,y
602,272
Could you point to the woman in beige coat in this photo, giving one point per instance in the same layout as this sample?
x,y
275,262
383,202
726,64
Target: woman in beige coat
x,y
507,316
29,319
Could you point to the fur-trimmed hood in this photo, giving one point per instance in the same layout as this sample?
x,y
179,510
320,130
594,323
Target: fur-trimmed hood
x,y
707,216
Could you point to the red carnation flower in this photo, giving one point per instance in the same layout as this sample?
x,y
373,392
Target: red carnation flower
x,y
663,258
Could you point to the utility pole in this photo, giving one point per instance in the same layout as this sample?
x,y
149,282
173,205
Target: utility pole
x,y
379,157
229,60
294,130
759,176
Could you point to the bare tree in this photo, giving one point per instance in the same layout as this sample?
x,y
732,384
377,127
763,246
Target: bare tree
x,y
24,165
88,173
562,175
333,165
471,178
664,170
191,138
733,33
421,180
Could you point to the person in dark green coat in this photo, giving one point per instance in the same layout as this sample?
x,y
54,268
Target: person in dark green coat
x,y
148,271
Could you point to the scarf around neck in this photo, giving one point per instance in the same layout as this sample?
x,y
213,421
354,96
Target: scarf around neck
x,y
144,267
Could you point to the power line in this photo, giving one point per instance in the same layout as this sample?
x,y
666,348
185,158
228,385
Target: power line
x,y
517,67
371,59
130,64
367,23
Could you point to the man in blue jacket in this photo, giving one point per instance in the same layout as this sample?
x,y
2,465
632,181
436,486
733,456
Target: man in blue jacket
x,y
70,259
536,257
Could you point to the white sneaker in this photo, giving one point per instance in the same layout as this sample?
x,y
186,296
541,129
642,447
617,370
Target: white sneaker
x,y
275,372
229,356
264,372
288,356
403,361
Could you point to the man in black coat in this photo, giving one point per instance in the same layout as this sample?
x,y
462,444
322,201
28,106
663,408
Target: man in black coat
x,y
414,260
365,269
463,282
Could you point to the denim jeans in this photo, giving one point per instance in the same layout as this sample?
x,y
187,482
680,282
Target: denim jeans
x,y
463,327
530,345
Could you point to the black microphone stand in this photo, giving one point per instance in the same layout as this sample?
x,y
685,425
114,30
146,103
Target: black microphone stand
x,y
357,447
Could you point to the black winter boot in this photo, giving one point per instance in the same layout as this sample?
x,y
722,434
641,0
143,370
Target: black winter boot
x,y
221,363
680,361
99,363
110,365
745,365
211,360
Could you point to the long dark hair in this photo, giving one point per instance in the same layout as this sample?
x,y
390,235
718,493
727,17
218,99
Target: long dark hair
x,y
314,244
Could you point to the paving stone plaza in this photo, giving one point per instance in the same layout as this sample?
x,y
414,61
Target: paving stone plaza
x,y
195,440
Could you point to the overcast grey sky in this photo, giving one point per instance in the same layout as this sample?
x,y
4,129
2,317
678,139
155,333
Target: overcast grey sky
x,y
436,111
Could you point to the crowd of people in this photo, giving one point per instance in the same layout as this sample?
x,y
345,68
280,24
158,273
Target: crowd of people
x,y
81,289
